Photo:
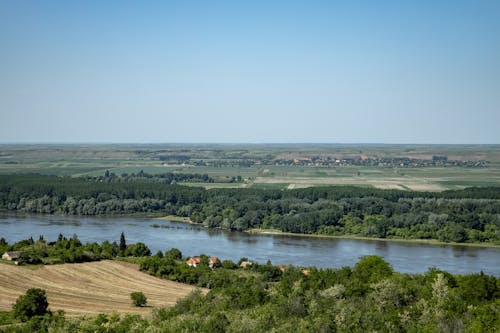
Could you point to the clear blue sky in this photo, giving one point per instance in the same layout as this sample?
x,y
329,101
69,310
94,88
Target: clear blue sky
x,y
250,71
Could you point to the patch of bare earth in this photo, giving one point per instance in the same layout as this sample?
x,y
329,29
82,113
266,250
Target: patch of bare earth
x,y
427,187
90,288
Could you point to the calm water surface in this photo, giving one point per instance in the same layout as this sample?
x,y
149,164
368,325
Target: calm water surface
x,y
194,240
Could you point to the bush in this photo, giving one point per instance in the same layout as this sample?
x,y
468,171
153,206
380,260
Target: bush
x,y
33,303
228,264
174,254
30,257
138,298
138,250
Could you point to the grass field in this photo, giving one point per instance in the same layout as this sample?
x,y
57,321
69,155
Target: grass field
x,y
89,288
93,160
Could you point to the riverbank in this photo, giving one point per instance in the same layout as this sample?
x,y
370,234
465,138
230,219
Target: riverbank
x,y
401,240
174,218
193,240
277,232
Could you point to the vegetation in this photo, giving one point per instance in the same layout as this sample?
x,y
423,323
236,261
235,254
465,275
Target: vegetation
x,y
416,167
70,250
6,318
369,297
366,298
88,288
138,298
33,303
262,297
469,215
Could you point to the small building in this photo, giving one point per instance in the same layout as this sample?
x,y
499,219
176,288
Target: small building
x,y
245,264
12,255
213,261
306,272
193,262
281,267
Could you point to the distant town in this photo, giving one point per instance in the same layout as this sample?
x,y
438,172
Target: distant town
x,y
327,161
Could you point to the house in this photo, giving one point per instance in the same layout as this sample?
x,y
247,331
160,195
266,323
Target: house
x,y
245,264
193,262
281,267
213,261
306,272
13,255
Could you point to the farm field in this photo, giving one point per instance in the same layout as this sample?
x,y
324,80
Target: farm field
x,y
89,288
271,165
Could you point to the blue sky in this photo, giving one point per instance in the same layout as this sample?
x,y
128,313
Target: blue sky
x,y
255,71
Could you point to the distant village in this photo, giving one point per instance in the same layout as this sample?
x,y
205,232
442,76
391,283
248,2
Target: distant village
x,y
327,161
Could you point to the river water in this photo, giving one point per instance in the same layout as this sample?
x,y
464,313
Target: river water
x,y
300,251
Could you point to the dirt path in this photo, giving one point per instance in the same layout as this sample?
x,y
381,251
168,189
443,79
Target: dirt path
x,y
97,287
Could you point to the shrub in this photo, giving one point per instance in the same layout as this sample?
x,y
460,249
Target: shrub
x,y
138,298
33,303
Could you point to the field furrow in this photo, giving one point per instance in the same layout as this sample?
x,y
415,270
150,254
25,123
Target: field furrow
x,y
89,288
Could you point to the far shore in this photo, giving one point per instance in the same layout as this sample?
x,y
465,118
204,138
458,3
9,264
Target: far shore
x,y
402,240
277,232
175,218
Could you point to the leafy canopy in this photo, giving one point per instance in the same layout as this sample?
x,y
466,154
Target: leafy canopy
x,y
33,303
138,298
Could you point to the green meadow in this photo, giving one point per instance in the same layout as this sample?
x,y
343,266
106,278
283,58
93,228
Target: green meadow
x,y
263,166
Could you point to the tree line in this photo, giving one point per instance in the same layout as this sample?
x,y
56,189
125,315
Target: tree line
x,y
71,250
166,178
368,297
468,215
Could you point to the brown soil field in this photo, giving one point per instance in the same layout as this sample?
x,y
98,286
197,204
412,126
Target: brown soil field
x,y
89,288
382,183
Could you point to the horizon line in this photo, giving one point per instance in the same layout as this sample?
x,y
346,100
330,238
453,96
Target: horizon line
x,y
244,143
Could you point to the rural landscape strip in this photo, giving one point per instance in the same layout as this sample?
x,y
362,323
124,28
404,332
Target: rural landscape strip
x,y
264,295
468,216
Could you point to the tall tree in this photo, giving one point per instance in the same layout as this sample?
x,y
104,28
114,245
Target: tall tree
x,y
123,243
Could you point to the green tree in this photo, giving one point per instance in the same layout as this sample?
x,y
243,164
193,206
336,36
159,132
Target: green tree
x,y
33,303
30,257
123,243
138,250
138,298
372,269
173,253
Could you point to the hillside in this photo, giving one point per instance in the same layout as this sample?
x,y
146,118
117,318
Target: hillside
x,y
89,288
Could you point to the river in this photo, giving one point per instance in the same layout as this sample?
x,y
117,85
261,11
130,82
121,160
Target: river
x,y
300,251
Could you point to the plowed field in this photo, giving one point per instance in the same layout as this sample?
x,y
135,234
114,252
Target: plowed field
x,y
89,288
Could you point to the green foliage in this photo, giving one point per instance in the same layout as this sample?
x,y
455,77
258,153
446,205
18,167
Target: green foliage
x,y
6,317
370,297
469,215
477,288
31,257
123,243
372,269
137,250
138,298
174,254
71,250
33,303
228,264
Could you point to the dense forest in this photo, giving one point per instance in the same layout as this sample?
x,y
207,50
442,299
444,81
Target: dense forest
x,y
469,215
369,297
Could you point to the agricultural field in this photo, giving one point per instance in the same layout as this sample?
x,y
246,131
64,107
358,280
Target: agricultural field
x,y
89,288
284,166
